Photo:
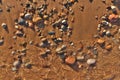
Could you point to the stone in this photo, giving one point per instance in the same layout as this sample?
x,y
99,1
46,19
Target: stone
x,y
70,60
108,33
63,47
80,58
101,41
28,16
14,37
1,42
21,21
4,25
58,49
17,64
36,19
14,69
28,65
119,47
91,61
108,47
51,32
19,33
1,10
13,52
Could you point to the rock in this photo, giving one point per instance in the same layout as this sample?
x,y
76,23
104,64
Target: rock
x,y
31,42
4,25
28,16
108,33
108,47
80,58
51,32
1,10
36,19
1,42
17,64
21,21
119,47
63,47
13,52
91,61
101,41
14,37
14,69
70,60
58,49
28,65
19,33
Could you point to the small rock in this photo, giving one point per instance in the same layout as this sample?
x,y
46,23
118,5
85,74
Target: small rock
x,y
51,33
1,10
17,64
70,60
108,47
28,16
19,33
14,69
119,47
100,41
91,61
14,37
1,42
21,21
4,25
13,52
28,65
80,58
31,42
108,33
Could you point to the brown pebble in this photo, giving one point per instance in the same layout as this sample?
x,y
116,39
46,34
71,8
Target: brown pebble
x,y
70,60
101,41
108,47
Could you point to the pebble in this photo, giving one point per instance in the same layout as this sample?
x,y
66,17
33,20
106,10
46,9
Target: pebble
x,y
19,33
108,47
17,64
1,10
80,58
28,16
51,32
100,41
108,33
14,69
28,65
1,42
70,60
31,42
119,47
14,37
91,61
4,25
13,52
21,21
